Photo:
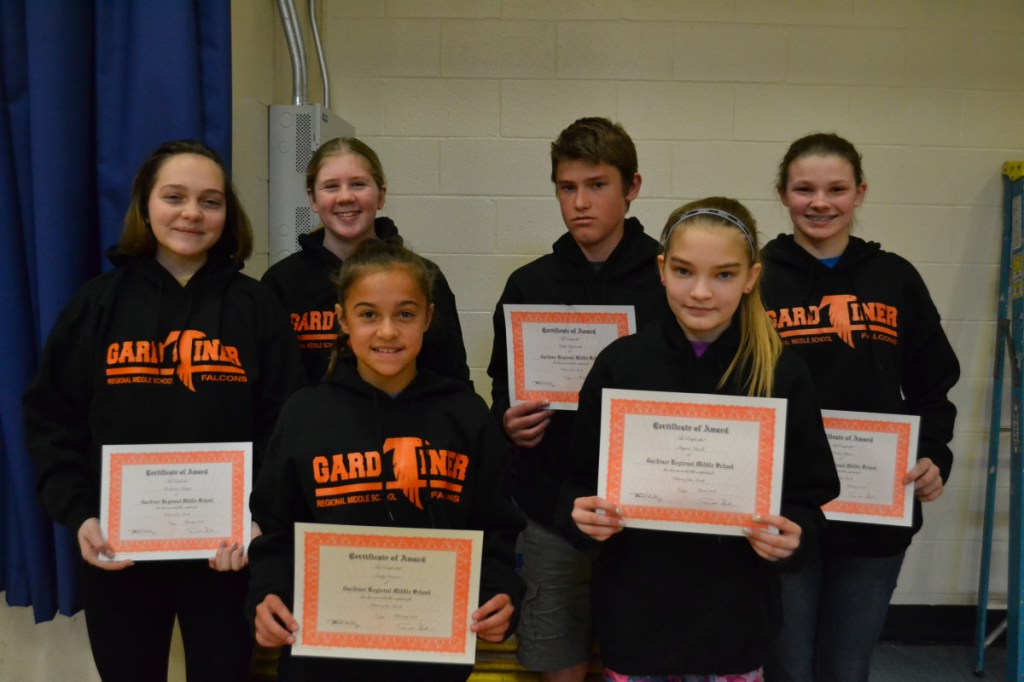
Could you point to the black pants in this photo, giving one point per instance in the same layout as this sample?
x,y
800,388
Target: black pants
x,y
130,616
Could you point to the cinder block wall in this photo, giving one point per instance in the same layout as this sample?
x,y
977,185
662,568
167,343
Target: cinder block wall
x,y
462,97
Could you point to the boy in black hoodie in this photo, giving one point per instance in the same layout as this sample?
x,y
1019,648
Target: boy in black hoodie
x,y
604,259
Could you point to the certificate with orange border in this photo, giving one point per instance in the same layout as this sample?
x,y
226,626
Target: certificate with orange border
x,y
551,348
175,501
399,594
872,452
689,462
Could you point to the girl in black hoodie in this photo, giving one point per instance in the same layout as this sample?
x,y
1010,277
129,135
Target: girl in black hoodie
x,y
336,457
347,188
862,320
689,607
174,345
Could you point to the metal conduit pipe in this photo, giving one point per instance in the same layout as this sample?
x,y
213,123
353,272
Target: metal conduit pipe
x,y
297,51
320,54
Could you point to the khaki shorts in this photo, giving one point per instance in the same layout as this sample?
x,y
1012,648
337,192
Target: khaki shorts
x,y
554,624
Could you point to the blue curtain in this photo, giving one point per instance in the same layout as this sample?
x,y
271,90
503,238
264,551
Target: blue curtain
x,y
89,89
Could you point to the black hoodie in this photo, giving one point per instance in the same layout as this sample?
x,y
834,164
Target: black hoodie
x,y
331,460
565,277
137,358
668,603
872,337
303,283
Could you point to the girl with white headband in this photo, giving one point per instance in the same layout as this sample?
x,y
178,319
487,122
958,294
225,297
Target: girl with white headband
x,y
688,607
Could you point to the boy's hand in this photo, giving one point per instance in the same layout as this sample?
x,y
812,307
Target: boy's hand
x,y
274,623
597,517
491,620
229,557
525,423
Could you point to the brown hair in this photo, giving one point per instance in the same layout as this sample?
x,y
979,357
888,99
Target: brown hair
x,y
137,238
596,140
819,144
760,346
373,255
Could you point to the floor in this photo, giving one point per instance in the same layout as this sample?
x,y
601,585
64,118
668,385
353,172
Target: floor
x,y
895,662
892,662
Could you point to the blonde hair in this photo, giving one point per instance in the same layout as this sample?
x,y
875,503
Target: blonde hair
x,y
760,346
339,146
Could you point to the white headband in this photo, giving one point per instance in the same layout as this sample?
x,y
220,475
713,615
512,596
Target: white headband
x,y
724,215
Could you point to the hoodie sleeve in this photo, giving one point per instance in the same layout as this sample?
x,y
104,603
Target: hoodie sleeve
x,y
56,406
809,478
444,351
273,279
281,371
497,368
496,514
930,370
276,504
582,478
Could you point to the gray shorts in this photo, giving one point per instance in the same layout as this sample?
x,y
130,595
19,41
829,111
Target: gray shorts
x,y
554,624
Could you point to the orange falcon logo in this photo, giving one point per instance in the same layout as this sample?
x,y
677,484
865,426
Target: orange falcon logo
x,y
839,316
417,469
192,354
405,464
849,320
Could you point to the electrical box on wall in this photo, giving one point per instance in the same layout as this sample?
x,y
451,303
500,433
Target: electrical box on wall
x,y
296,131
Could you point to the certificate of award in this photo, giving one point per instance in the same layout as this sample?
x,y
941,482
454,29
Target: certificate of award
x,y
176,501
398,594
873,452
691,462
552,347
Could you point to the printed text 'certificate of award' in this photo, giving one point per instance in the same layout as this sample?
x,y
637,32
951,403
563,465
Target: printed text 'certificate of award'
x,y
873,452
400,594
177,501
691,462
552,347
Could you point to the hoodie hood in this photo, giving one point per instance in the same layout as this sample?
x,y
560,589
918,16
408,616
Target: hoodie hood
x,y
631,253
142,278
633,260
426,385
312,243
783,250
792,262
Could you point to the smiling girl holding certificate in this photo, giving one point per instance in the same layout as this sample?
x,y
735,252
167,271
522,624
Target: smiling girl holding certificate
x,y
173,346
878,346
722,590
362,448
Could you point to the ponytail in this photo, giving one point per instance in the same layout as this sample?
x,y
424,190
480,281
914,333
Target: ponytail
x,y
760,346
374,255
